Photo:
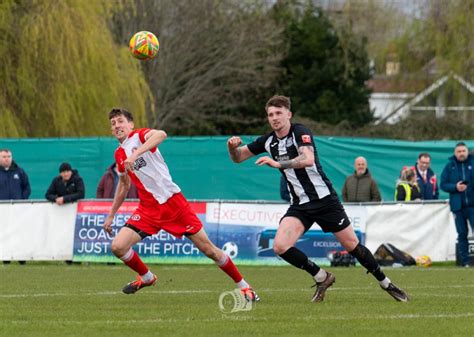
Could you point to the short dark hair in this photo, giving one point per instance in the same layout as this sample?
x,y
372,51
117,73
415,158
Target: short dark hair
x,y
5,150
279,102
65,167
424,154
460,144
121,112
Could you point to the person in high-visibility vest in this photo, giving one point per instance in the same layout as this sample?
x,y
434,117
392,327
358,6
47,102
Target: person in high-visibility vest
x,y
407,189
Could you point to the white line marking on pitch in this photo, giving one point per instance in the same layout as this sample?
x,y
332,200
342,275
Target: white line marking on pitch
x,y
247,318
206,291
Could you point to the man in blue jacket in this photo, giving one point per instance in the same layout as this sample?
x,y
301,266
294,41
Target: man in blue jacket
x,y
457,179
14,183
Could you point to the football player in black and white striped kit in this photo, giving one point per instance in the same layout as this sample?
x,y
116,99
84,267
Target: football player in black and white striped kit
x,y
313,199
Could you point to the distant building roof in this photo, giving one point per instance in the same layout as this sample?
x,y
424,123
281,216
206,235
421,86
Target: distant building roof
x,y
403,110
397,84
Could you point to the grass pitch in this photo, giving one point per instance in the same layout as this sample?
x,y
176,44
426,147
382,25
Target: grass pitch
x,y
86,300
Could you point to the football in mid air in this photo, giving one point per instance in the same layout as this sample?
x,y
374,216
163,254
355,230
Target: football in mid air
x,y
144,45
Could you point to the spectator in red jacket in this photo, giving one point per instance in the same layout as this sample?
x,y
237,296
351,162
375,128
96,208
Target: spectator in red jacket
x,y
108,184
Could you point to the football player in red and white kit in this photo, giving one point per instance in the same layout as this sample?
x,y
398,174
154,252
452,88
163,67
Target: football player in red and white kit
x,y
161,207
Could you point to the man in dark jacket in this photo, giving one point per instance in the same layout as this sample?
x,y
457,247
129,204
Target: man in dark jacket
x,y
360,187
14,183
108,185
67,187
457,179
426,178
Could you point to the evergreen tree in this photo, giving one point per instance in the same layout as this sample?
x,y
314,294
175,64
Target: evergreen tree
x,y
325,72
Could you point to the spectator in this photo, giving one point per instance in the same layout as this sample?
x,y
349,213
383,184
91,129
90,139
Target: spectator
x,y
108,185
426,178
14,183
284,192
67,187
360,187
407,189
457,180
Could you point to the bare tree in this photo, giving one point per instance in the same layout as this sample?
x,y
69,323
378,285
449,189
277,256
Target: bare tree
x,y
378,21
214,56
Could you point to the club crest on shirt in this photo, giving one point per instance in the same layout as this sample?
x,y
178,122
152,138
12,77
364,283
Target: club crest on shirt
x,y
289,142
306,139
139,163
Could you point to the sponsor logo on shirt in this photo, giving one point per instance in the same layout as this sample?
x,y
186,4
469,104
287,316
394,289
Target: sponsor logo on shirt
x,y
139,163
283,157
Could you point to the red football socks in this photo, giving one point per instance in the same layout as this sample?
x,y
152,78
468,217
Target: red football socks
x,y
229,268
132,260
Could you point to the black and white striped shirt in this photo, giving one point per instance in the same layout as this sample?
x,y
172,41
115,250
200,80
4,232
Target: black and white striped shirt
x,y
305,184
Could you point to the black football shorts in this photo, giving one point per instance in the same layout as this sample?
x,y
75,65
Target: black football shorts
x,y
327,212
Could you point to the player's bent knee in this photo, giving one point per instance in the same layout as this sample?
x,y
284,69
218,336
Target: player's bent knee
x,y
118,249
279,248
350,245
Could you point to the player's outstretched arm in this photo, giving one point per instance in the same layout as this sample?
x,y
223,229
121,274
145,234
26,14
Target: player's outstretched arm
x,y
237,152
120,194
